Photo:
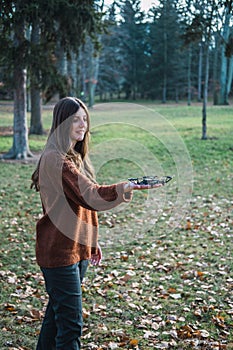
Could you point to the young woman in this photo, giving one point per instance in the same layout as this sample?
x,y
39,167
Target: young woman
x,y
67,232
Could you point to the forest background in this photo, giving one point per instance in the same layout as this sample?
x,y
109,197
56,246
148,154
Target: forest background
x,y
178,50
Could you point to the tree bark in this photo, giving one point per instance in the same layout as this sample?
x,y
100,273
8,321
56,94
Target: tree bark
x,y
164,99
224,60
230,74
35,95
91,87
200,72
36,127
205,94
189,75
62,66
177,93
93,71
215,72
20,148
72,72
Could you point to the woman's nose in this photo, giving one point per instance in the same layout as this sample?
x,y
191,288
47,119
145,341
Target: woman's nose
x,y
81,123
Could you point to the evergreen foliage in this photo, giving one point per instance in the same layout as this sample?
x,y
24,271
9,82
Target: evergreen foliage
x,y
161,55
180,49
30,33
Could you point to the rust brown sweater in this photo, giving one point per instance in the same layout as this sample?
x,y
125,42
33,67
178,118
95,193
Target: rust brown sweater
x,y
68,230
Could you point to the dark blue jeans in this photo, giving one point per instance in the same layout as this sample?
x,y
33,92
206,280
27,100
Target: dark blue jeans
x,y
62,325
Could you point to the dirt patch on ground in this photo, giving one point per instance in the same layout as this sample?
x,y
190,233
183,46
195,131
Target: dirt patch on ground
x,y
6,130
30,160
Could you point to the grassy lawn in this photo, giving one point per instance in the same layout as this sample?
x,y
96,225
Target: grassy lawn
x,y
166,280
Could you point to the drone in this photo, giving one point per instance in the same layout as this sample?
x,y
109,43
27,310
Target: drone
x,y
150,180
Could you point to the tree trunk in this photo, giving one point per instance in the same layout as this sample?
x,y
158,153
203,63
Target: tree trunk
x,y
92,86
35,95
230,74
36,127
62,66
20,148
164,99
177,93
224,74
205,94
72,72
223,79
93,76
83,75
165,53
189,74
134,75
200,73
215,72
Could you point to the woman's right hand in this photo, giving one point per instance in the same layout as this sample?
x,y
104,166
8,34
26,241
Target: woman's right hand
x,y
131,186
96,258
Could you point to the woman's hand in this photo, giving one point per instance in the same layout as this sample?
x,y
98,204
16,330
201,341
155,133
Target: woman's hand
x,y
131,186
96,258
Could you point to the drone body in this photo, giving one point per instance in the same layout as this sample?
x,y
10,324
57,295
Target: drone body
x,y
150,180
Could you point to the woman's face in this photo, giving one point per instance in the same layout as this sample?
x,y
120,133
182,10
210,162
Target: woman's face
x,y
79,126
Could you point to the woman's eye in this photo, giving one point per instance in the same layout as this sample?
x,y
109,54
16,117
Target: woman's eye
x,y
77,119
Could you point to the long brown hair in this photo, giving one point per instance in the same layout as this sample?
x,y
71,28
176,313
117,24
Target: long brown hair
x,y
58,138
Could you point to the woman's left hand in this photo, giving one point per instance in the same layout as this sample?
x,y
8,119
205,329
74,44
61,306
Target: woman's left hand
x,y
96,258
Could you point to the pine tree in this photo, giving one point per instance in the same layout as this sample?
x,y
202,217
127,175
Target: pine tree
x,y
63,22
132,47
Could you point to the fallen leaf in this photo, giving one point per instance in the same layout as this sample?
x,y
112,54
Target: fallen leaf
x,y
134,342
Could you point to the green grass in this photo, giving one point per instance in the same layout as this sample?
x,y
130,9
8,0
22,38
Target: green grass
x,y
160,285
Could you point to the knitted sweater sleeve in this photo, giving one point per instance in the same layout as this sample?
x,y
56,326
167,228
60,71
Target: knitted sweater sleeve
x,y
78,188
61,181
